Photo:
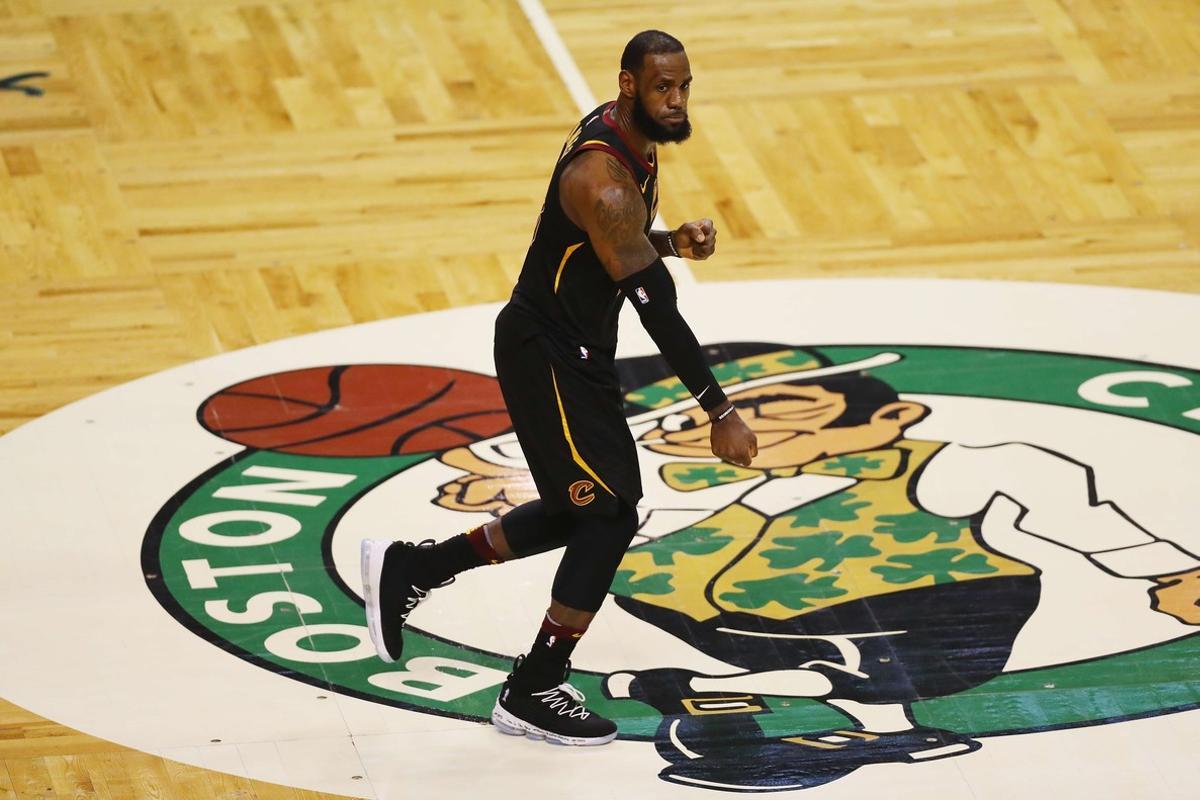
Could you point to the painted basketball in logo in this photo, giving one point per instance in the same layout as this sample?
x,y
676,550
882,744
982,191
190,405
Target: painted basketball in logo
x,y
917,541
367,410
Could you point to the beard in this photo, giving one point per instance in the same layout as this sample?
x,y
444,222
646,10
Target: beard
x,y
654,130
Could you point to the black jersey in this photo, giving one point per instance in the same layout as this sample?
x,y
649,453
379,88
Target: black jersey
x,y
563,287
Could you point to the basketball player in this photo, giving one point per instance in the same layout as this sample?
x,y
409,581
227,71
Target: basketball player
x,y
555,346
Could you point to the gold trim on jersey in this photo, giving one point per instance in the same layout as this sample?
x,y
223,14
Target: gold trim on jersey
x,y
562,264
571,442
571,140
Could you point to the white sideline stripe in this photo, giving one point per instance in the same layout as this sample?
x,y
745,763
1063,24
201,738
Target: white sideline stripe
x,y
543,26
584,100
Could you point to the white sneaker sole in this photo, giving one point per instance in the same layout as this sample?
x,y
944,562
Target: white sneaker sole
x,y
513,726
371,553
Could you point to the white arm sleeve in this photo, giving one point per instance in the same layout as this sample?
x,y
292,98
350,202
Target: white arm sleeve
x,y
1059,499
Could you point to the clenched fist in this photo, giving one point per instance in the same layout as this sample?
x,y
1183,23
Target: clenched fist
x,y
733,441
695,240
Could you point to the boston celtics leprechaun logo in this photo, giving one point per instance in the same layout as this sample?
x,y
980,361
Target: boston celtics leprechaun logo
x,y
906,570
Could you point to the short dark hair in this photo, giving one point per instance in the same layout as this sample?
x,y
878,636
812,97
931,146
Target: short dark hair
x,y
648,43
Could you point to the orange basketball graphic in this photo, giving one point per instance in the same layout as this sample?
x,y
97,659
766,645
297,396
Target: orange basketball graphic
x,y
358,410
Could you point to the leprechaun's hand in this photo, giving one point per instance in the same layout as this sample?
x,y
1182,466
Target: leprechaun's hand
x,y
486,487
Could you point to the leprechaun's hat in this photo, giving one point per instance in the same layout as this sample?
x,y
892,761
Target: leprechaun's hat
x,y
735,371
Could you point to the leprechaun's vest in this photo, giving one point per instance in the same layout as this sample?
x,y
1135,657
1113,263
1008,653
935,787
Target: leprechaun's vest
x,y
867,540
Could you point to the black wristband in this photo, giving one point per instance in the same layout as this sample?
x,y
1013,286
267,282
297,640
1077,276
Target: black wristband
x,y
652,292
671,244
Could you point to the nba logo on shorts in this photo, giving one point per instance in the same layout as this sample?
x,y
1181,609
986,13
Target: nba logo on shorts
x,y
643,298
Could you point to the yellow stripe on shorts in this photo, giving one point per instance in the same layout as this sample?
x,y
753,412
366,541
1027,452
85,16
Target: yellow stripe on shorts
x,y
571,442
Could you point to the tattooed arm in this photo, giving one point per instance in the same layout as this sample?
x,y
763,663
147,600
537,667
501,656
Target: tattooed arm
x,y
598,194
582,182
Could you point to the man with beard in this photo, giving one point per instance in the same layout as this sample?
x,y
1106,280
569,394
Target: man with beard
x,y
555,347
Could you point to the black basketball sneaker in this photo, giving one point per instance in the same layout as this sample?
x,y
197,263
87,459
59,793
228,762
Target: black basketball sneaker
x,y
556,714
389,571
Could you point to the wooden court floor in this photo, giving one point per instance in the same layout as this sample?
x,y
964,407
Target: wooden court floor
x,y
204,175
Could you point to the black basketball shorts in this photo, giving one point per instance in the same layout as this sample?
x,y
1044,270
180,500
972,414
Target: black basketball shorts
x,y
568,416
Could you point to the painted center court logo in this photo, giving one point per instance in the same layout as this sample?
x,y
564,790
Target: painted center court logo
x,y
955,530
868,581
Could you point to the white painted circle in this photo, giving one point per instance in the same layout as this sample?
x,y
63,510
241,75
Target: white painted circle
x,y
88,646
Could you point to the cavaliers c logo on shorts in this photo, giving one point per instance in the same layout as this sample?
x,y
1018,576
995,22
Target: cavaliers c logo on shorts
x,y
581,492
